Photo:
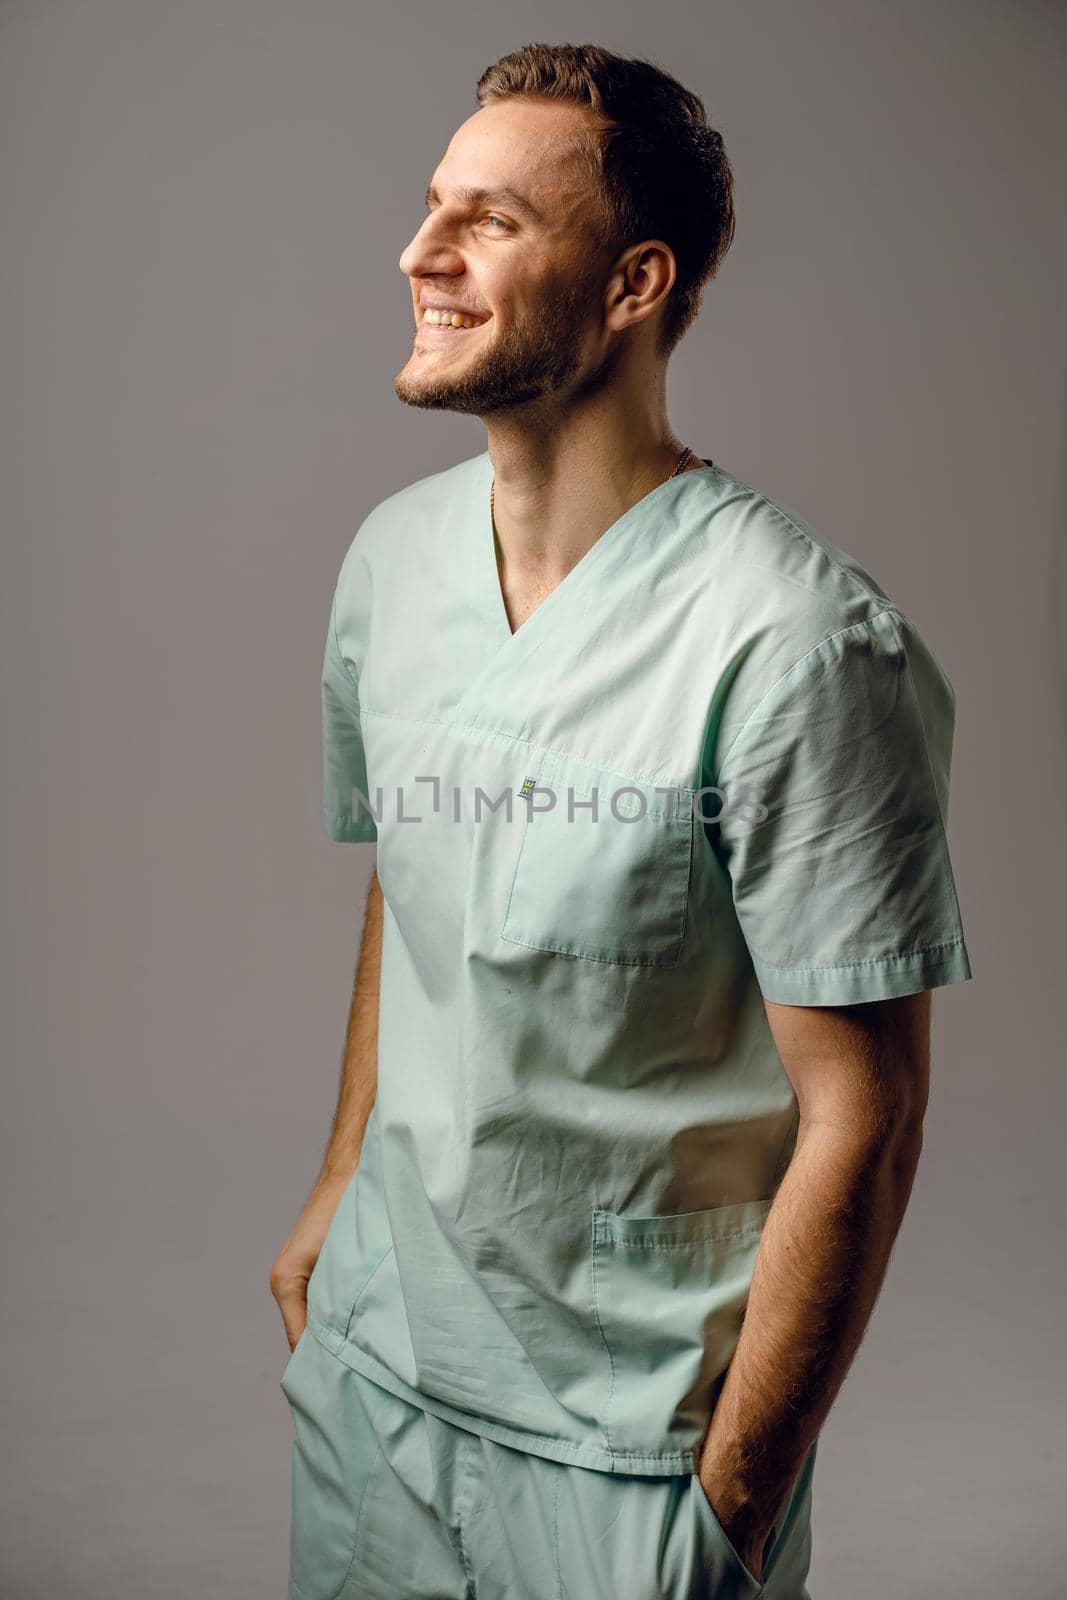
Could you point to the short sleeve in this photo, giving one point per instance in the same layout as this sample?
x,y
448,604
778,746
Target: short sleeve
x,y
843,887
347,816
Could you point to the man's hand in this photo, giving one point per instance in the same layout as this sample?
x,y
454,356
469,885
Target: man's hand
x,y
292,1270
749,1534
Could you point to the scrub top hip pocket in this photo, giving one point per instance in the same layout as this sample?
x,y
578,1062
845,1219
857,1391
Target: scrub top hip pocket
x,y
670,1294
603,863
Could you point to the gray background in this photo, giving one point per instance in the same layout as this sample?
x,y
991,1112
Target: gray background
x,y
202,205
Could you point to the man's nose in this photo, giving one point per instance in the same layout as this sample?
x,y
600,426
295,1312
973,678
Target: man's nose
x,y
430,253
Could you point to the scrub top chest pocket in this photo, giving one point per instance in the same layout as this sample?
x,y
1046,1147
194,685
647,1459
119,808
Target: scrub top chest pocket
x,y
602,871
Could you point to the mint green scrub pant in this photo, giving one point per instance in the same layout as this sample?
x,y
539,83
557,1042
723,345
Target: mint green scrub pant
x,y
390,1502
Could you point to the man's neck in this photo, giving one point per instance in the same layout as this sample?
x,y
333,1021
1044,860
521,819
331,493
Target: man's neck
x,y
554,497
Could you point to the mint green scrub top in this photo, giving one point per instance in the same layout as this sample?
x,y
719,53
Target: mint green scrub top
x,y
711,768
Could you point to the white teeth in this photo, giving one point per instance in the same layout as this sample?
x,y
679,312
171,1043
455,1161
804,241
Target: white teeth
x,y
447,319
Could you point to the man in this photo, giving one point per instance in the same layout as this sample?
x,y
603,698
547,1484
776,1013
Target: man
x,y
639,1041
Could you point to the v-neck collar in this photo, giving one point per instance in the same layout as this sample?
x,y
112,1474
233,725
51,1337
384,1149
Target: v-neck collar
x,y
485,553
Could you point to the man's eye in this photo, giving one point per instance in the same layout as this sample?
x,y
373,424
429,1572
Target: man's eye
x,y
501,221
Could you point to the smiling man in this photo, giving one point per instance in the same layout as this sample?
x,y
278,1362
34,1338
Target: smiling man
x,y
638,1050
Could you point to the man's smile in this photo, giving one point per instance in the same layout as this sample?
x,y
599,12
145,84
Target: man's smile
x,y
442,327
449,317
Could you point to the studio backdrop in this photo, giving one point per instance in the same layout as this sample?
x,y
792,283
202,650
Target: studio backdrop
x,y
201,314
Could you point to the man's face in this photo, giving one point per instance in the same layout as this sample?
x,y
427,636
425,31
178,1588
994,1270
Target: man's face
x,y
512,243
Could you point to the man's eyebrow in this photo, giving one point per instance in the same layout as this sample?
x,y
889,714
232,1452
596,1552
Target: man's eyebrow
x,y
492,197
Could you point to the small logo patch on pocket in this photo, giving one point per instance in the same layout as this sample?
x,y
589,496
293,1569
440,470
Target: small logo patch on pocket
x,y
527,788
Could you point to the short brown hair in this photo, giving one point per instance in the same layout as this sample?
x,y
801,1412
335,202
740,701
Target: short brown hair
x,y
662,170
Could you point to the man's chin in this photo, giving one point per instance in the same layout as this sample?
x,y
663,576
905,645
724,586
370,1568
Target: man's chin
x,y
433,392
428,395
476,388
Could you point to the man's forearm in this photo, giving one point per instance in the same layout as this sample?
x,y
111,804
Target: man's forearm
x,y
821,1262
292,1270
359,1068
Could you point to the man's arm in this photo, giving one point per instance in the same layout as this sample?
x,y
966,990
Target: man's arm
x,y
359,1082
861,1075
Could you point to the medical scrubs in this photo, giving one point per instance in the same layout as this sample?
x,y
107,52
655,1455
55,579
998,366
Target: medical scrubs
x,y
711,768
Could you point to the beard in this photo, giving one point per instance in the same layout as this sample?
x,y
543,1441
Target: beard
x,y
534,357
